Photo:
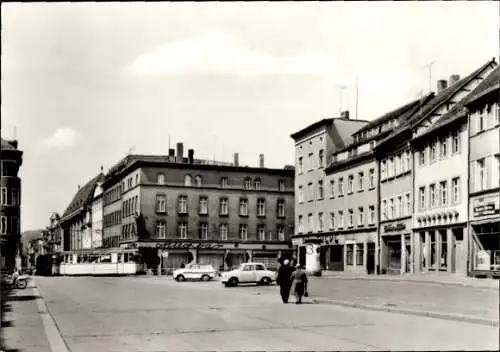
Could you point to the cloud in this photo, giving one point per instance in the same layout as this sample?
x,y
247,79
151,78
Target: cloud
x,y
219,52
63,137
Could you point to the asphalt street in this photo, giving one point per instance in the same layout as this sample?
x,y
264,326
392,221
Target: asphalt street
x,y
158,314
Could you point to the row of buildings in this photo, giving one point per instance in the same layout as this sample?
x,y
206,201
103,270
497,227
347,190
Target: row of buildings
x,y
412,191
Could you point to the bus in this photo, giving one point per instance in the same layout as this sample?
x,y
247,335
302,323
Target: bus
x,y
101,262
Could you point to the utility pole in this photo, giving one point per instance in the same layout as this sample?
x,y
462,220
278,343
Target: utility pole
x,y
429,68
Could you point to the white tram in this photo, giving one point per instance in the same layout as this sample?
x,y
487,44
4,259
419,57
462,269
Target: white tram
x,y
101,262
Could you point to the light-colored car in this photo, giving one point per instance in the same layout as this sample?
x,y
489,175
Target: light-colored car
x,y
249,273
195,272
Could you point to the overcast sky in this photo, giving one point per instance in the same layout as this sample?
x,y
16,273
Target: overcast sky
x,y
84,82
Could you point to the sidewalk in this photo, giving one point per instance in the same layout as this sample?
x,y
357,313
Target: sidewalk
x,y
22,326
429,278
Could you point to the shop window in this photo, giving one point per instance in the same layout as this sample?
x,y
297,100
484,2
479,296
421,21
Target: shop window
x,y
433,263
359,253
349,254
443,263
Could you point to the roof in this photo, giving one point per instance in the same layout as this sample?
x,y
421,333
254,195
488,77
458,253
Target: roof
x,y
489,84
83,196
311,128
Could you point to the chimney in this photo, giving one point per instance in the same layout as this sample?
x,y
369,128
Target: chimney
x,y
236,159
180,152
344,114
190,155
453,79
261,160
441,85
14,143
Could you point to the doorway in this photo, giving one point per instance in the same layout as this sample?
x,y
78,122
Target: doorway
x,y
337,257
370,258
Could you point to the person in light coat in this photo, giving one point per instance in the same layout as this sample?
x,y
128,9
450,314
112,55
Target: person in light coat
x,y
299,283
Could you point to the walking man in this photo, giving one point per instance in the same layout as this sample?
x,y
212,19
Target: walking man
x,y
284,280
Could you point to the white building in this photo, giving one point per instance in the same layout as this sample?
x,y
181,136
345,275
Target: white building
x,y
97,217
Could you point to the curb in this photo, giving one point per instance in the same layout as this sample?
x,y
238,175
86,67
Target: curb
x,y
421,313
56,341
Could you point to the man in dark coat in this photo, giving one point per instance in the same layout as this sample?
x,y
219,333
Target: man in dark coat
x,y
283,280
299,282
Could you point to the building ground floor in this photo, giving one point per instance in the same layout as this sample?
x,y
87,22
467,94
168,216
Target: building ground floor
x,y
164,256
396,249
10,252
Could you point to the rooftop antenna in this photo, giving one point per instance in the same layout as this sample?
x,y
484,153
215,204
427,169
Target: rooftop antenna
x,y
429,68
169,141
340,88
15,132
215,143
357,93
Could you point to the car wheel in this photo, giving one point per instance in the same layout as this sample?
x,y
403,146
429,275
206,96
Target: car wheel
x,y
22,284
265,281
205,278
180,278
233,282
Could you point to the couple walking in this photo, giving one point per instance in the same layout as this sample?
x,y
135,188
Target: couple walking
x,y
292,279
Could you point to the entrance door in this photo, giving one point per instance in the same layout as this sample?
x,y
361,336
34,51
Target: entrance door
x,y
302,255
337,257
460,254
370,258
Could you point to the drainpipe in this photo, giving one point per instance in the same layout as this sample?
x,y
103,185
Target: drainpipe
x,y
377,163
468,227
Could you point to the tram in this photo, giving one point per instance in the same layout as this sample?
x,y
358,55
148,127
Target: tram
x,y
101,262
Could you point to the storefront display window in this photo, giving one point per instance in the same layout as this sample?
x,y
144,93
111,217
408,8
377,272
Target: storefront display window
x,y
486,247
433,262
359,254
350,254
443,263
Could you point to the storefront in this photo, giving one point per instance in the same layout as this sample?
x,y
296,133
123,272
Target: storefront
x,y
396,247
484,255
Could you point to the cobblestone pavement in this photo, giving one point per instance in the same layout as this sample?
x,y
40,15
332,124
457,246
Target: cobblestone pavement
x,y
158,314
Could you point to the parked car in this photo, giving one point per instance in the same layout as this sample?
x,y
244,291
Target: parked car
x,y
249,273
195,272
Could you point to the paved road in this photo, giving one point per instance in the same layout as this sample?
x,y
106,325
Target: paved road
x,y
156,314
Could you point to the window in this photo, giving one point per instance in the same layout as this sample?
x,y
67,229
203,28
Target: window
x,y
310,222
243,207
407,205
261,232
350,254
281,208
257,184
15,197
341,218
321,158
223,232
161,203
188,180
301,224
223,206
161,229
243,232
371,180
444,147
3,225
480,174
385,215
247,184
341,186
496,109
332,220
223,182
433,151
421,157
261,207
350,182
390,167
160,179
320,222
203,206
320,189
301,165
15,225
182,205
359,253
203,231
399,206
481,125
4,196
198,180
372,214
361,215
407,161
421,198
281,233
281,185
310,191
443,190
455,189
183,230
383,169
361,180
332,188
391,208
399,165
310,162
350,220
301,194
432,195
496,172
456,143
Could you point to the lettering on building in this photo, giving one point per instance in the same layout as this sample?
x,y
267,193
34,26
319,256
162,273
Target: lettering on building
x,y
486,209
394,227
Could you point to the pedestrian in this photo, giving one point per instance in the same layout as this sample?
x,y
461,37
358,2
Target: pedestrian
x,y
284,280
299,282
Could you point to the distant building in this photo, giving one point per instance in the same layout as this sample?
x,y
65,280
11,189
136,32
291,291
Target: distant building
x,y
179,210
10,203
97,215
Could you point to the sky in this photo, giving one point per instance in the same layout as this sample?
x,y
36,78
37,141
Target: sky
x,y
83,84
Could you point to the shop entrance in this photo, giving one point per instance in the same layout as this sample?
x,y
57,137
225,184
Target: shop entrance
x,y
392,258
486,248
370,258
336,258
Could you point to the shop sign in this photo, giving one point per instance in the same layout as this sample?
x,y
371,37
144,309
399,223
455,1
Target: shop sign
x,y
184,245
394,227
482,208
329,240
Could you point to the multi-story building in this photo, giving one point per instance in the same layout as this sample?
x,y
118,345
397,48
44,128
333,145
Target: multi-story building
x,y
76,220
179,210
10,203
441,160
314,146
484,176
353,177
97,215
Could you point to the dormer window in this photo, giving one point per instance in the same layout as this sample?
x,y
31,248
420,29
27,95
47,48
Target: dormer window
x,y
188,180
257,184
198,181
160,179
247,183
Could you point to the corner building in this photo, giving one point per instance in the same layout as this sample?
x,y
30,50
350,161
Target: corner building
x,y
178,210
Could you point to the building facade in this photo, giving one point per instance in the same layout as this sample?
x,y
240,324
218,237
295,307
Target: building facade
x,y
484,176
97,216
179,210
10,204
314,147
